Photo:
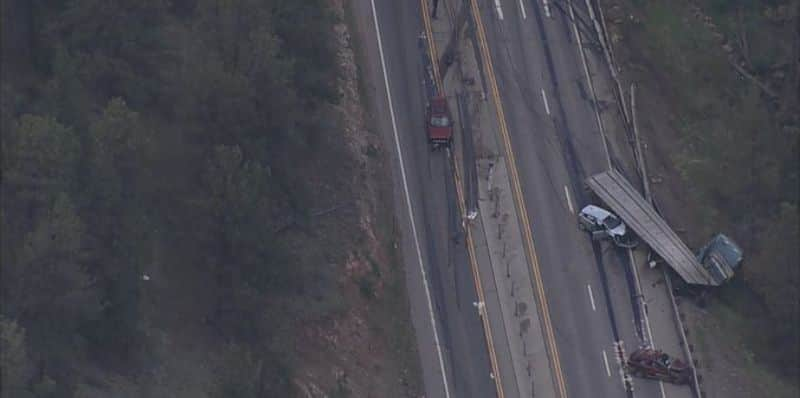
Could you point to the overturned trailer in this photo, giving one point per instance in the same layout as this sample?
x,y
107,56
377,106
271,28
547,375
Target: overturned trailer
x,y
714,265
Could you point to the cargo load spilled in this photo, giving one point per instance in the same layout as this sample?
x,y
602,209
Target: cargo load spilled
x,y
712,266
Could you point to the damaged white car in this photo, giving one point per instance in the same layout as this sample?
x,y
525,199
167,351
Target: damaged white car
x,y
602,224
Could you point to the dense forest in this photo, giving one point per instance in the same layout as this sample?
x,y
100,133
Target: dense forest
x,y
154,155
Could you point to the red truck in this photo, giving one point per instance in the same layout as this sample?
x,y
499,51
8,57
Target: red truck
x,y
440,122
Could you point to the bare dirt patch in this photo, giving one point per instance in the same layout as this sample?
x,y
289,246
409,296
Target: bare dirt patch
x,y
368,349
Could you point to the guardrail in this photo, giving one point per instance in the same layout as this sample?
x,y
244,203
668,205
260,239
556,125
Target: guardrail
x,y
682,332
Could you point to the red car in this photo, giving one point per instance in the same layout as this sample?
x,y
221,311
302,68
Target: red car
x,y
440,122
655,364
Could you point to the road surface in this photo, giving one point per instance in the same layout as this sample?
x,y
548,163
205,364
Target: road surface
x,y
553,129
555,134
451,342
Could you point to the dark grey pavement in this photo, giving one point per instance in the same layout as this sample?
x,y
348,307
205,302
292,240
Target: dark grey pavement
x,y
433,205
557,143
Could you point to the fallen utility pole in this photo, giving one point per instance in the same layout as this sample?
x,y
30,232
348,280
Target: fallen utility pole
x,y
609,60
638,143
449,54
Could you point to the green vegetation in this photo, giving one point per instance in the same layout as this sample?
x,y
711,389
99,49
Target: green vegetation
x,y
722,320
739,149
187,138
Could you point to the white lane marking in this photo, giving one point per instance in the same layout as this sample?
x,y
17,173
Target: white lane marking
x,y
569,201
408,203
605,360
499,9
522,7
591,297
546,105
546,5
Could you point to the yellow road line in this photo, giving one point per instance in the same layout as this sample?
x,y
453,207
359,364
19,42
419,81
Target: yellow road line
x,y
426,21
478,285
518,200
487,331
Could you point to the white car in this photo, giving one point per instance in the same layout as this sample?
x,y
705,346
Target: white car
x,y
601,222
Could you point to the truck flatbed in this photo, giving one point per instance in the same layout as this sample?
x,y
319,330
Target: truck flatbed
x,y
613,189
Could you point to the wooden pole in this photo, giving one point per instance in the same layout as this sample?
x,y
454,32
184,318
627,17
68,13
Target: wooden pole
x,y
639,154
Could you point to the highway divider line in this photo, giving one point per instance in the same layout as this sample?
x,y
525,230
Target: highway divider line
x,y
482,311
408,204
518,199
426,22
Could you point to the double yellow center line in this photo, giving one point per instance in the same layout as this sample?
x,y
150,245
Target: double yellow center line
x,y
518,200
432,52
530,250
462,209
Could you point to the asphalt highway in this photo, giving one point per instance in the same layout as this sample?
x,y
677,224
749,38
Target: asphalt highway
x,y
450,339
553,130
557,142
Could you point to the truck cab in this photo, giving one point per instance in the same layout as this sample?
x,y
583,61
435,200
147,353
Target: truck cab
x,y
439,122
720,256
